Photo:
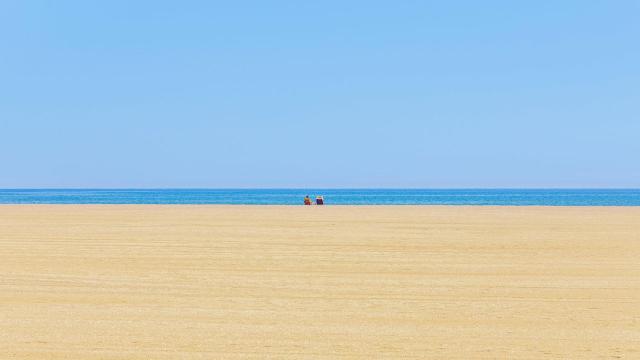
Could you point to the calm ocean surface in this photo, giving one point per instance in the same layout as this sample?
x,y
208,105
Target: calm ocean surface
x,y
555,197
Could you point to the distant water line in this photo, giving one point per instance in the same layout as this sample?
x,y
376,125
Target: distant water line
x,y
513,197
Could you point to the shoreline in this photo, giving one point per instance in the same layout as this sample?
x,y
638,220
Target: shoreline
x,y
325,205
333,197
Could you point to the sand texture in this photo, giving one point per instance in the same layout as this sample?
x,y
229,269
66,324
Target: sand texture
x,y
256,282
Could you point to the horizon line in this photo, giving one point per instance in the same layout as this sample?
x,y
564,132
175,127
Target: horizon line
x,y
319,188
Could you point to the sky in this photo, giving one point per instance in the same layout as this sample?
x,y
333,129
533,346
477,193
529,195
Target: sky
x,y
373,94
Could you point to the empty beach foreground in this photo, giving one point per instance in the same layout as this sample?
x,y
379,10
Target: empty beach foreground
x,y
237,282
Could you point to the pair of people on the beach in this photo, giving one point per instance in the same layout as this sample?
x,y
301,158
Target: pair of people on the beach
x,y
319,200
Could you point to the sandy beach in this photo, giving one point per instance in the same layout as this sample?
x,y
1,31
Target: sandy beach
x,y
237,282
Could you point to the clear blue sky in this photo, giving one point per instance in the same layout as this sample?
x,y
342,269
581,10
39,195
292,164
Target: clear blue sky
x,y
319,94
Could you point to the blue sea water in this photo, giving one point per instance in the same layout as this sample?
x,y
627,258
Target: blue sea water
x,y
552,197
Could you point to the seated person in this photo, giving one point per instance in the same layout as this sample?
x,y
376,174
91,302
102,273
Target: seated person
x,y
319,200
307,200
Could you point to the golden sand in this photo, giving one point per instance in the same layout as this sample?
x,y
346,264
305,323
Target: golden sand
x,y
181,282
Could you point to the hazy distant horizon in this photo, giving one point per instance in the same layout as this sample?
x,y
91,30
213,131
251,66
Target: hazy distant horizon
x,y
320,188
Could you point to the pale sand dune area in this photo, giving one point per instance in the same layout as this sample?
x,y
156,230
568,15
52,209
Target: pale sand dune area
x,y
332,282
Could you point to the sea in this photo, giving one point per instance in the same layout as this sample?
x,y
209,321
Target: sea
x,y
499,197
